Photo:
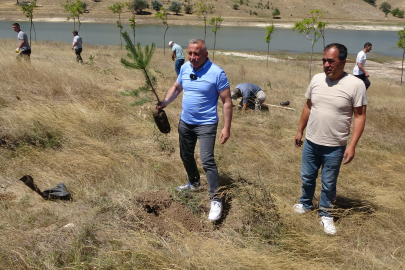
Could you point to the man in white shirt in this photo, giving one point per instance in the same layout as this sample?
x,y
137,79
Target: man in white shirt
x,y
24,47
333,97
358,69
77,46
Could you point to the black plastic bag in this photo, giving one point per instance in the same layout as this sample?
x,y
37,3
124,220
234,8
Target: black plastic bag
x,y
161,121
59,192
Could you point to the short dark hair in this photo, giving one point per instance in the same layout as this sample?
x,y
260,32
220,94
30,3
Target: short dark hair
x,y
16,24
341,48
367,44
75,32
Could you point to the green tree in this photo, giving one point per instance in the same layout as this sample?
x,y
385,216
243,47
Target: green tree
x,y
401,44
308,27
320,26
139,5
132,20
175,7
400,14
75,9
235,6
28,10
156,5
163,16
188,7
385,7
275,13
216,22
267,38
395,11
371,2
117,8
202,11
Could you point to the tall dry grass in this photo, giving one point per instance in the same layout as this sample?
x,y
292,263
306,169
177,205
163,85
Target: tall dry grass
x,y
65,122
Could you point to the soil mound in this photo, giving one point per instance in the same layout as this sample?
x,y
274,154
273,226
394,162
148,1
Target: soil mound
x,y
162,214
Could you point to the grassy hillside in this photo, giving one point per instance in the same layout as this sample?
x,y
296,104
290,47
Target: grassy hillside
x,y
356,11
65,122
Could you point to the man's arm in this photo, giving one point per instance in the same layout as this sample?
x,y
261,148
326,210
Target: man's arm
x,y
173,55
227,101
171,95
303,123
74,44
362,69
22,43
358,127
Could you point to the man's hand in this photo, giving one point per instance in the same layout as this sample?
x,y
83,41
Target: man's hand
x,y
348,155
366,74
161,105
225,134
298,139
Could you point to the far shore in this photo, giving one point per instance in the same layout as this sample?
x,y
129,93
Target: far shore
x,y
225,23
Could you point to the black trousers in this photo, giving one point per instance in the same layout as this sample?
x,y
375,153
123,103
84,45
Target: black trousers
x,y
364,79
24,55
78,57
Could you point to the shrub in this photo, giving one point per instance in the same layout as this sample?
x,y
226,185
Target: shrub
x,y
394,12
371,2
188,8
254,13
139,5
275,13
156,5
385,7
400,14
175,7
235,7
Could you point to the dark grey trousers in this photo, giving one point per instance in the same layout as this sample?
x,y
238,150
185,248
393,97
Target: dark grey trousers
x,y
364,79
206,134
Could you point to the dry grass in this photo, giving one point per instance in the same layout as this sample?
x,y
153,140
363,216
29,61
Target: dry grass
x,y
64,122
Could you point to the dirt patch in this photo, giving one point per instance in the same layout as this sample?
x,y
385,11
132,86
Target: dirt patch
x,y
161,214
7,197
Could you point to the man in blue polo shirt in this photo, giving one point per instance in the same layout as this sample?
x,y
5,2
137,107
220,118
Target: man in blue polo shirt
x,y
202,82
177,53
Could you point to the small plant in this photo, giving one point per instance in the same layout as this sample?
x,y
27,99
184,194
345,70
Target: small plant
x,y
132,21
385,7
401,44
275,13
91,59
235,6
75,9
269,84
156,5
216,22
163,16
117,8
175,7
267,38
202,12
28,9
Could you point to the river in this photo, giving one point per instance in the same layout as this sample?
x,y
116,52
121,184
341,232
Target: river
x,y
230,38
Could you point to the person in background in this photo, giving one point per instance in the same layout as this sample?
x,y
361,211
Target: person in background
x,y
177,53
250,93
358,69
23,48
77,46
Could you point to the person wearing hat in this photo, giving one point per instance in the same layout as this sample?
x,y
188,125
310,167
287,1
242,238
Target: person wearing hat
x,y
177,53
249,92
77,46
24,47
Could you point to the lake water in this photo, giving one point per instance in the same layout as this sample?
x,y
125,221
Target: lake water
x,y
228,38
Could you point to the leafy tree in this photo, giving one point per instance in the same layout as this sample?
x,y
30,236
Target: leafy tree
x,y
188,8
202,11
401,44
275,13
320,26
267,38
308,27
139,5
156,5
235,6
400,14
75,9
141,61
216,22
117,8
28,10
175,7
163,16
395,11
385,7
132,21
371,2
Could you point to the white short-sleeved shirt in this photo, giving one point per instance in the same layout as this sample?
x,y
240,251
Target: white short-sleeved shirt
x,y
361,58
332,108
77,39
22,36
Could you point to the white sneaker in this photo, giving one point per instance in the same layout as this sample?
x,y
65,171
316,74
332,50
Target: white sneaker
x,y
299,208
328,225
216,210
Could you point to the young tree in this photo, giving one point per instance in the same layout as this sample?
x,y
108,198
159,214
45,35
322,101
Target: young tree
x,y
175,7
202,11
28,10
216,22
401,44
275,13
267,38
163,16
385,7
188,7
320,25
132,21
308,27
141,61
75,10
139,5
117,8
156,5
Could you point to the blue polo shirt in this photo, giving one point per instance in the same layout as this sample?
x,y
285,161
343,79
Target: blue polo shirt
x,y
200,96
